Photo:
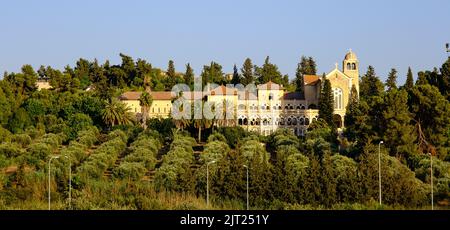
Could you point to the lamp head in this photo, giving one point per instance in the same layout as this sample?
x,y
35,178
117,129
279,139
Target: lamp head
x,y
381,142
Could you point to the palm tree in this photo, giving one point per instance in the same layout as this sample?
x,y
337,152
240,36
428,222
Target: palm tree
x,y
145,101
228,119
116,113
201,123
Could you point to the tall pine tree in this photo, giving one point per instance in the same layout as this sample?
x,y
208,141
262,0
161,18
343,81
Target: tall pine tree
x,y
391,82
268,72
409,79
370,84
247,72
399,135
326,102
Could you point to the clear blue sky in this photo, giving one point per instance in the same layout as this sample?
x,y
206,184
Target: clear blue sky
x,y
383,33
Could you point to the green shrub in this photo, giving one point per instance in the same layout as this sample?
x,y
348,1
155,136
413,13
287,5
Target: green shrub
x,y
102,158
90,170
53,140
22,139
89,136
34,133
118,133
130,170
147,143
5,135
40,151
166,177
76,151
216,137
143,155
4,162
214,150
10,150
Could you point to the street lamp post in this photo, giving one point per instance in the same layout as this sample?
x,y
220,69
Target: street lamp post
x,y
448,50
49,163
49,180
70,182
245,166
379,170
207,181
431,166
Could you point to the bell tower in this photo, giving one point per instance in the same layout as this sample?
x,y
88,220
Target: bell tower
x,y
350,67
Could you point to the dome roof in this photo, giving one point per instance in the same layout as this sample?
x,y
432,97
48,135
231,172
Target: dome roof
x,y
350,55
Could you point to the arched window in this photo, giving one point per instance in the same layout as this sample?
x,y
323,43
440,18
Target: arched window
x,y
279,107
306,121
302,121
349,66
298,107
270,96
303,107
337,92
354,66
294,121
242,106
289,121
286,107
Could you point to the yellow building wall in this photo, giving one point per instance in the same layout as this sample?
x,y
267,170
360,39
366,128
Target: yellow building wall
x,y
159,108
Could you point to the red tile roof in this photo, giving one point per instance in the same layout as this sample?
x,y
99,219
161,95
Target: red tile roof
x,y
270,86
311,79
223,90
159,95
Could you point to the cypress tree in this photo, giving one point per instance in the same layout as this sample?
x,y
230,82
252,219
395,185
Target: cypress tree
x,y
299,80
312,67
236,77
189,75
171,76
391,82
409,79
444,80
351,114
326,102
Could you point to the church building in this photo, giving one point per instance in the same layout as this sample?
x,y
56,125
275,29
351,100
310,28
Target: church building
x,y
269,107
